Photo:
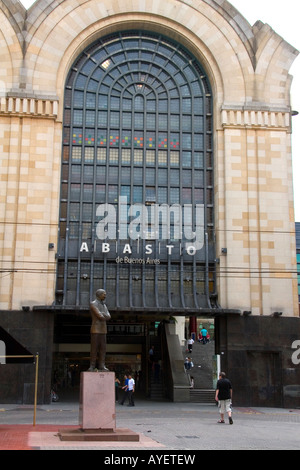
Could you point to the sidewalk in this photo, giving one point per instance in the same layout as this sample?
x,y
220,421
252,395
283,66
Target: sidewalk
x,y
162,426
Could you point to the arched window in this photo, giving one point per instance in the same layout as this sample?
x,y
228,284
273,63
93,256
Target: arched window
x,y
138,144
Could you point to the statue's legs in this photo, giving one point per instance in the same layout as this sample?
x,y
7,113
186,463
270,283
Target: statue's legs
x,y
102,352
94,349
98,348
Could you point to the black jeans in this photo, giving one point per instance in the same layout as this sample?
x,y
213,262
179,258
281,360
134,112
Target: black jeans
x,y
130,397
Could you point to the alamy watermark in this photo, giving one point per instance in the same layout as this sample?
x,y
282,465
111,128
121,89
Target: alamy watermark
x,y
137,222
2,352
154,221
296,354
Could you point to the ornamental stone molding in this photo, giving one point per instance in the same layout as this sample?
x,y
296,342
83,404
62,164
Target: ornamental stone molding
x,y
29,107
255,118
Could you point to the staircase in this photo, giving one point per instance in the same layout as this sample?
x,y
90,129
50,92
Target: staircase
x,y
202,396
156,388
202,372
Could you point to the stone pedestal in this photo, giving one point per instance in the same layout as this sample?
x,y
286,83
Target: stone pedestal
x,y
97,411
97,401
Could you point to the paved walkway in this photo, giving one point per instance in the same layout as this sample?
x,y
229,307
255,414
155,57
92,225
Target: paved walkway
x,y
162,427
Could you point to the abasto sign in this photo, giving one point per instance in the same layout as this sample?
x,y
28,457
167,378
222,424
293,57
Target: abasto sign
x,y
169,225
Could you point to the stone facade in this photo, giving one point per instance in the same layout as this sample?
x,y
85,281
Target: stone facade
x,y
248,69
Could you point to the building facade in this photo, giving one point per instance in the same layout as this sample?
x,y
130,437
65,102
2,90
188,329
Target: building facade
x,y
146,150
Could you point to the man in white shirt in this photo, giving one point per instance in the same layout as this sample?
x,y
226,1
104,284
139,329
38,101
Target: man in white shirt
x,y
190,344
131,387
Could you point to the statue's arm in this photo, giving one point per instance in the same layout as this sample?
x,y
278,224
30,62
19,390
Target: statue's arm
x,y
95,311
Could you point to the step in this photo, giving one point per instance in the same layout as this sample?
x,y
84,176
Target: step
x,y
202,396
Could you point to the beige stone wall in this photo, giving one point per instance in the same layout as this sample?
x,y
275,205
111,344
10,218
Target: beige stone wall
x,y
248,68
29,172
256,220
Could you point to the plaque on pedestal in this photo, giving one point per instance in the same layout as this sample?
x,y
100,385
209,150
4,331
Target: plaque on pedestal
x,y
97,401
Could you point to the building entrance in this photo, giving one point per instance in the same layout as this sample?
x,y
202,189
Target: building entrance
x,y
67,367
128,344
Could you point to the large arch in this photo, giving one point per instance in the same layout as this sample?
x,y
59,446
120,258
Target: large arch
x,y
52,32
140,106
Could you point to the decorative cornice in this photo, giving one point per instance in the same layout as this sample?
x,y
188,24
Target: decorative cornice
x,y
29,107
255,118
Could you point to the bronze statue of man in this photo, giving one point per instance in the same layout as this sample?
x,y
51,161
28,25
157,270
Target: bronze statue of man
x,y
100,315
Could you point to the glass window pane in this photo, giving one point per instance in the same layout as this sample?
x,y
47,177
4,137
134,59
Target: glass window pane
x,y
162,176
113,174
88,173
74,211
88,155
186,195
113,156
139,120
138,157
76,173
162,195
125,191
101,174
101,155
100,193
112,193
150,157
127,120
162,158
187,177
90,118
174,122
151,121
126,174
162,122
174,177
150,176
150,194
186,159
76,154
114,119
78,117
87,192
137,194
174,158
174,196
137,176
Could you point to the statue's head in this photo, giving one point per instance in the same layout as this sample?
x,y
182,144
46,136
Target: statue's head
x,y
101,294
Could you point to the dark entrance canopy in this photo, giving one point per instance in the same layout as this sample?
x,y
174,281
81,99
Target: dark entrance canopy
x,y
14,348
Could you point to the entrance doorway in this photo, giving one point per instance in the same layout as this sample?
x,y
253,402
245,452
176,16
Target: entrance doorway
x,y
67,367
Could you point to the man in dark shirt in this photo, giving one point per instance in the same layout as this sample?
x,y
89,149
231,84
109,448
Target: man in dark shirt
x,y
224,397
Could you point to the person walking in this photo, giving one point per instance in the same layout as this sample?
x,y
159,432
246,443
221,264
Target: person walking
x,y
204,335
131,388
188,363
224,397
125,389
190,343
117,383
